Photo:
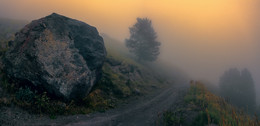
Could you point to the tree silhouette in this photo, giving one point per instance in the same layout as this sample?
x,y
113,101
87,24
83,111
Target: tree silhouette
x,y
239,88
142,41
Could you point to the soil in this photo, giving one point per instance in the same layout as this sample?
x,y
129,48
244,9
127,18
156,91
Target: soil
x,y
138,111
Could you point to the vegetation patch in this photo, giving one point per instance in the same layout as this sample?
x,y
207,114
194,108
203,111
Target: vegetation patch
x,y
40,103
200,107
114,87
122,78
35,102
215,110
171,118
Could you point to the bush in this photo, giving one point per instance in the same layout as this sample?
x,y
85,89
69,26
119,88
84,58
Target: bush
x,y
172,119
27,98
42,102
25,94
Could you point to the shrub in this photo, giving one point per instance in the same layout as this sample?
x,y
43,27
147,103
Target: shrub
x,y
25,94
172,119
42,102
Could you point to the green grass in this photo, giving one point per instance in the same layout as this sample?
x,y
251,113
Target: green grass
x,y
172,118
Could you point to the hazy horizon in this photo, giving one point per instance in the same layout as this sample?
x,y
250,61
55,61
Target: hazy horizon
x,y
204,38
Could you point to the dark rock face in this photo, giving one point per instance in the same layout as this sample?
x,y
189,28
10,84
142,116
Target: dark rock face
x,y
60,55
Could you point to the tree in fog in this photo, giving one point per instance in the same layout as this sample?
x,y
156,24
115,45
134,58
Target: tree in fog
x,y
239,88
142,41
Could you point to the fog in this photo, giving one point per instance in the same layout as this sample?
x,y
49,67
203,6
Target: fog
x,y
202,37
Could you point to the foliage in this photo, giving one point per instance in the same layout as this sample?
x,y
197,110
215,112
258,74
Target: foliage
x,y
111,89
215,110
114,86
25,94
96,100
36,102
239,88
170,118
42,101
114,82
142,41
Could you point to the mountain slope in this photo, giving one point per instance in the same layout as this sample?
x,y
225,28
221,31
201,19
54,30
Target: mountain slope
x,y
123,79
145,87
201,107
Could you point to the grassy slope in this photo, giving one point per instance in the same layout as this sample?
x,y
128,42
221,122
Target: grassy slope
x,y
122,77
117,50
209,109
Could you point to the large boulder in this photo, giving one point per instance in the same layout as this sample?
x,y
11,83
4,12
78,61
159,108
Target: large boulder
x,y
56,54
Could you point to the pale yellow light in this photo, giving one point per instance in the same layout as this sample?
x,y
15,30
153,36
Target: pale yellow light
x,y
210,17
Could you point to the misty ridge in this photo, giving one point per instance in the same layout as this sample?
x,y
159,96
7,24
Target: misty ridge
x,y
197,68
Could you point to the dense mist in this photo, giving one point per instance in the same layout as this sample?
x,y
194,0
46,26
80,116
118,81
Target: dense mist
x,y
203,38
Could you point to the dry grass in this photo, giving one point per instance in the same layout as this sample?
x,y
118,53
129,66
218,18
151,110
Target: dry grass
x,y
41,103
215,110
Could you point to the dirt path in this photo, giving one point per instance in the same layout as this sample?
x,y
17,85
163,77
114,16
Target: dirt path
x,y
138,112
142,114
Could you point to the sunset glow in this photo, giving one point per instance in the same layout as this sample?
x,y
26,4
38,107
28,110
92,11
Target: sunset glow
x,y
130,62
190,26
198,15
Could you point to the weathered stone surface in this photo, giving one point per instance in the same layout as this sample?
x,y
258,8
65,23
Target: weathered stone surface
x,y
57,54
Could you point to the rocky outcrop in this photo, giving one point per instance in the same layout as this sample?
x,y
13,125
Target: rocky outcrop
x,y
57,54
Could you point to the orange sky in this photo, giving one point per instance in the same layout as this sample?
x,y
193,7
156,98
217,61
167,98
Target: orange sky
x,y
195,34
200,16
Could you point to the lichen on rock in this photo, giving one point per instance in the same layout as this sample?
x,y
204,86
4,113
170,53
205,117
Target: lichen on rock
x,y
56,54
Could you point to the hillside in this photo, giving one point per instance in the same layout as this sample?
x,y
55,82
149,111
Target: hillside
x,y
122,79
115,47
200,107
128,93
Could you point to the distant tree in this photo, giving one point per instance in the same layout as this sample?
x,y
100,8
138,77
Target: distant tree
x,y
142,41
239,88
